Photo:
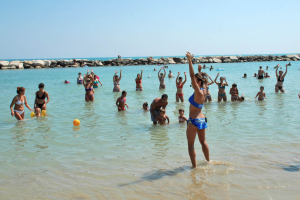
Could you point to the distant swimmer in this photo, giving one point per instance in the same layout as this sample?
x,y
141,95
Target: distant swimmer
x,y
170,75
255,75
211,67
179,85
88,83
280,79
156,105
161,78
197,122
245,76
221,93
145,106
154,69
234,92
121,101
260,73
66,81
162,117
79,78
138,82
18,102
40,97
181,117
261,94
267,75
267,68
116,81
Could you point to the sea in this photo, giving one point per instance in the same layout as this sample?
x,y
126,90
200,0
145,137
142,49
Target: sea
x,y
254,145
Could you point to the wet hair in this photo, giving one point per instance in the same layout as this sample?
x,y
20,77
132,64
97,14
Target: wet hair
x,y
41,85
245,74
262,87
181,109
180,77
234,85
20,89
124,92
164,96
162,110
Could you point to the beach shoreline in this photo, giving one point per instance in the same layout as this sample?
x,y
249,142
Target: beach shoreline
x,y
38,64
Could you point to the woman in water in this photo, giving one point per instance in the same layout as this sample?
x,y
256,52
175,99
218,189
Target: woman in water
x,y
138,82
79,78
221,93
96,81
40,97
162,79
179,85
280,79
206,87
170,75
88,83
19,101
234,92
116,81
196,121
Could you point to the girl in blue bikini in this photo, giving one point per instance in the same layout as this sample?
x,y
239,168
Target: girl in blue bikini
x,y
221,93
88,82
196,123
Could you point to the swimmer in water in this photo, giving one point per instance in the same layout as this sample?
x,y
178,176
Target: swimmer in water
x,y
261,95
267,68
121,101
19,101
234,92
161,119
280,79
138,82
66,81
40,97
88,83
221,93
162,79
79,78
145,106
116,81
242,98
197,121
255,75
267,75
96,81
179,85
154,69
245,76
181,117
261,73
170,75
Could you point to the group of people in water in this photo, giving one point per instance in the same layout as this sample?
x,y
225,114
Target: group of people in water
x,y
196,123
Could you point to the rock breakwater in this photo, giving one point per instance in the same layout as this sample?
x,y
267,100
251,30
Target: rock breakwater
x,y
37,64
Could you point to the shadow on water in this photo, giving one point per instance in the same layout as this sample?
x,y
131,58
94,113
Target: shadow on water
x,y
158,174
289,168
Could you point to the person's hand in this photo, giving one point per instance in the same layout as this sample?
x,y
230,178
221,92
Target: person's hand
x,y
12,113
116,72
218,74
209,77
178,73
161,68
184,73
31,109
188,55
91,70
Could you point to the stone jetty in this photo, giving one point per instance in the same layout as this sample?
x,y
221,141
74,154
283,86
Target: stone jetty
x,y
38,64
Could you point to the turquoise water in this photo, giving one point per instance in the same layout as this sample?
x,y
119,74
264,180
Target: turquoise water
x,y
254,145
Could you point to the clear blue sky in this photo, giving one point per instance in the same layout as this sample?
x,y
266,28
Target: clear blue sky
x,y
95,28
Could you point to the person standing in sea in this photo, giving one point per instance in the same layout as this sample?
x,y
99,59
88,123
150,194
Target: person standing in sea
x,y
156,105
40,97
280,79
222,92
162,79
196,123
88,83
116,81
138,82
79,78
19,102
260,73
179,85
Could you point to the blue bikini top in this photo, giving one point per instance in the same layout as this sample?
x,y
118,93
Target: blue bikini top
x,y
192,101
222,86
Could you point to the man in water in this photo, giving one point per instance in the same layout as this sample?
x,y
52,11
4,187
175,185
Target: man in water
x,y
261,73
156,105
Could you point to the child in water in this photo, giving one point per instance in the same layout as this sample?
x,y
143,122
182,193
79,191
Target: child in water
x,y
261,95
161,119
181,116
234,92
145,106
121,101
37,112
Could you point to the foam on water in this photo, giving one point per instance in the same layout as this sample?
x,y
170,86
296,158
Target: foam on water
x,y
254,145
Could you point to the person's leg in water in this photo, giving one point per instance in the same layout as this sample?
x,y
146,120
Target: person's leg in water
x,y
205,149
225,97
181,97
18,116
177,98
191,135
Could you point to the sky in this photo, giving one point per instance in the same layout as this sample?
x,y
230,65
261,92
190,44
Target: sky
x,y
95,28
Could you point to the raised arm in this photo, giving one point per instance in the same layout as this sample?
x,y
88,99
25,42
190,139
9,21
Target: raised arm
x,y
84,81
216,79
159,72
285,70
165,72
192,73
212,82
184,78
276,72
176,81
141,74
120,75
225,81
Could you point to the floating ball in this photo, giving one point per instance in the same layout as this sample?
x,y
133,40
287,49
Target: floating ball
x,y
76,122
32,114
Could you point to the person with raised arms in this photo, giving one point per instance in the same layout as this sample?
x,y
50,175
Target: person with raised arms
x,y
221,93
196,123
19,102
206,87
116,81
156,105
280,79
179,85
162,79
138,82
88,83
96,81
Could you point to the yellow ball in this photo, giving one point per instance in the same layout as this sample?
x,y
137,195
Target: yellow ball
x,y
76,122
32,114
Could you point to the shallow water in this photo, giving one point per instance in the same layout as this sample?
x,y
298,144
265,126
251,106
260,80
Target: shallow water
x,y
254,145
